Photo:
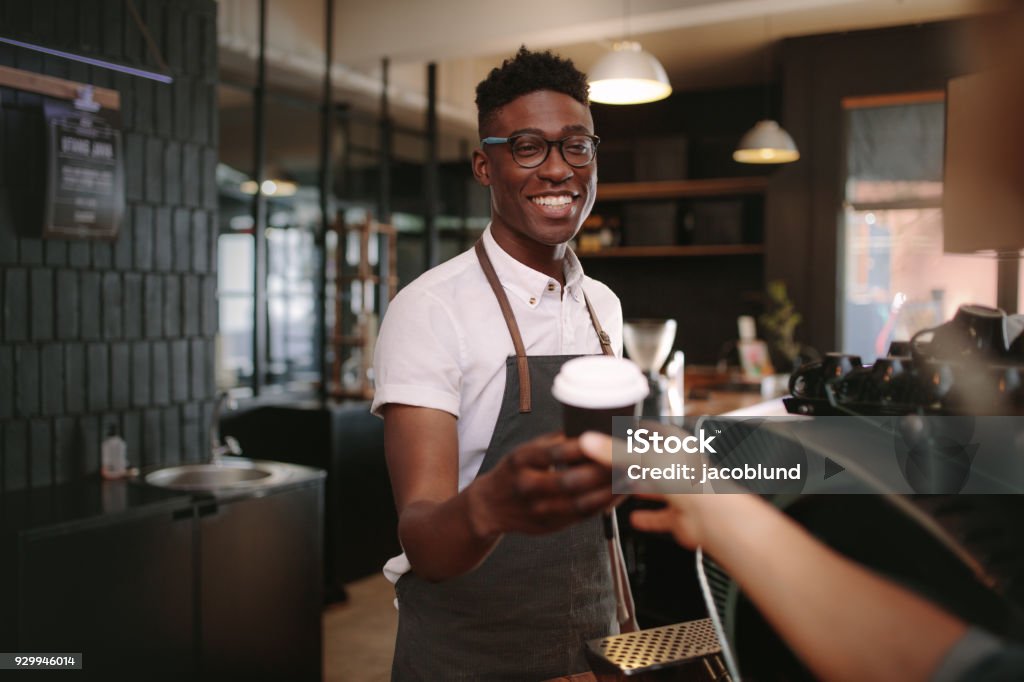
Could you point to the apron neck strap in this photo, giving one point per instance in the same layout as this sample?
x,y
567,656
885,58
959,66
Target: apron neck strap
x,y
522,365
510,321
602,335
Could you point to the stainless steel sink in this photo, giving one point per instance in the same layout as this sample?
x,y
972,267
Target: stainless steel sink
x,y
228,473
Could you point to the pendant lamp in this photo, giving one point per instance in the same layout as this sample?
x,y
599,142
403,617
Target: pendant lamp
x,y
628,75
767,142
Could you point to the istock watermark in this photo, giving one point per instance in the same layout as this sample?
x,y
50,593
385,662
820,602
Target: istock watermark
x,y
844,455
642,441
685,472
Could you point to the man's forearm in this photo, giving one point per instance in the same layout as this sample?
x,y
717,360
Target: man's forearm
x,y
444,539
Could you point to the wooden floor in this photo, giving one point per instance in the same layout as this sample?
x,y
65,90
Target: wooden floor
x,y
359,635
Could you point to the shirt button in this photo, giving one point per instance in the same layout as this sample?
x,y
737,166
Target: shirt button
x,y
551,287
533,301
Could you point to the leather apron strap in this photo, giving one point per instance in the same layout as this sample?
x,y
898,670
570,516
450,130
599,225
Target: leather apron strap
x,y
602,335
522,365
513,327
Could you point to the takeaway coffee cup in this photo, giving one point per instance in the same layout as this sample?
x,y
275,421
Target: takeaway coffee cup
x,y
595,388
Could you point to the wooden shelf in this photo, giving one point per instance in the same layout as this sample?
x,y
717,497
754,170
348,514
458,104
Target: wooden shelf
x,y
55,87
676,251
676,189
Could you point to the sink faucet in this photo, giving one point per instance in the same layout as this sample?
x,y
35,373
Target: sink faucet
x,y
229,445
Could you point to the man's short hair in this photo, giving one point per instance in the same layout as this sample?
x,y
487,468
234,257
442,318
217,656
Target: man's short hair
x,y
525,73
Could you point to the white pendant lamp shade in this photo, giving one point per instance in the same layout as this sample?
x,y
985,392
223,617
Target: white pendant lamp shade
x,y
766,142
628,75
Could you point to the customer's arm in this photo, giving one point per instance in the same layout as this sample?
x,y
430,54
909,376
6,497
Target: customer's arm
x,y
843,621
446,533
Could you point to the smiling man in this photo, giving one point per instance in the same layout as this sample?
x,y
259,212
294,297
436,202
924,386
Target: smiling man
x,y
505,572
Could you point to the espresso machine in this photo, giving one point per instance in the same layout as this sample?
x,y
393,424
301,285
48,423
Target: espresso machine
x,y
648,343
971,365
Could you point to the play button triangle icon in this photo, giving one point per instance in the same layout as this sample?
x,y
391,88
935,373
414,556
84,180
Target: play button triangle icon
x,y
831,468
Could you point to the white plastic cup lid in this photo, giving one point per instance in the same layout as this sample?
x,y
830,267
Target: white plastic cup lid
x,y
600,382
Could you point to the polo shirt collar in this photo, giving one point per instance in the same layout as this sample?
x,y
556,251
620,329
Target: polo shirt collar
x,y
523,281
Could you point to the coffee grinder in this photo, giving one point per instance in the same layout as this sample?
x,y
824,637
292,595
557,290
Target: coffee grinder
x,y
648,343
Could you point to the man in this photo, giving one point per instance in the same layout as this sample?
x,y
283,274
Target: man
x,y
505,573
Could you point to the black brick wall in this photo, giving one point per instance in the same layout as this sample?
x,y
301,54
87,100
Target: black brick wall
x,y
93,333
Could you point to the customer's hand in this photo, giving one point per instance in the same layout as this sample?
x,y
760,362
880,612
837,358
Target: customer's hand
x,y
690,518
542,486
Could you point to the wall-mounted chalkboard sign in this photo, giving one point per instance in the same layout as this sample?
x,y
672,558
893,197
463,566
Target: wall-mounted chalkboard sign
x,y
85,172
83,155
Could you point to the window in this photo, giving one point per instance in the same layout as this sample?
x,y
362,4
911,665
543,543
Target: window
x,y
235,245
896,279
290,349
235,297
291,299
293,216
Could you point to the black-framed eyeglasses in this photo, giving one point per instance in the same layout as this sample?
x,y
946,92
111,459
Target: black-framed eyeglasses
x,y
530,151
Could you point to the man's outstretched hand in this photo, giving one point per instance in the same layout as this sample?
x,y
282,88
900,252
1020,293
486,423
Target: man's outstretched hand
x,y
542,486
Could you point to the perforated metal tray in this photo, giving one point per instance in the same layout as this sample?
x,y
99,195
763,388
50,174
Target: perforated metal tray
x,y
644,651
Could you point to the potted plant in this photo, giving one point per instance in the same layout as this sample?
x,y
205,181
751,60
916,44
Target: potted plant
x,y
778,326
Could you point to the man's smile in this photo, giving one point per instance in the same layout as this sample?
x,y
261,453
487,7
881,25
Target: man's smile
x,y
553,200
555,204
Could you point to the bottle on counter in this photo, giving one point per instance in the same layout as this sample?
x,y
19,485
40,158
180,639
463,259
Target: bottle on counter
x,y
675,392
113,456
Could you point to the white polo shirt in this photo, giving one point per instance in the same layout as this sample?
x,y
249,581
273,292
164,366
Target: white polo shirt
x,y
443,342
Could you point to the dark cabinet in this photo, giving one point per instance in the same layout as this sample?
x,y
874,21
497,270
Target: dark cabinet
x,y
119,594
260,592
185,589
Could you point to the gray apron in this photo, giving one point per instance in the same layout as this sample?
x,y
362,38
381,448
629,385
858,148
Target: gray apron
x,y
526,611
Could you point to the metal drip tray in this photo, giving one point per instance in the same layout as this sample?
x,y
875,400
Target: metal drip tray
x,y
635,653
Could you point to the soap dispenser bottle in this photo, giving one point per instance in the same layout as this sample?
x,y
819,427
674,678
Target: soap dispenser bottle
x,y
113,456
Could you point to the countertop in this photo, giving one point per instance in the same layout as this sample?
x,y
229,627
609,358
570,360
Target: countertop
x,y
94,500
711,392
721,402
83,502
